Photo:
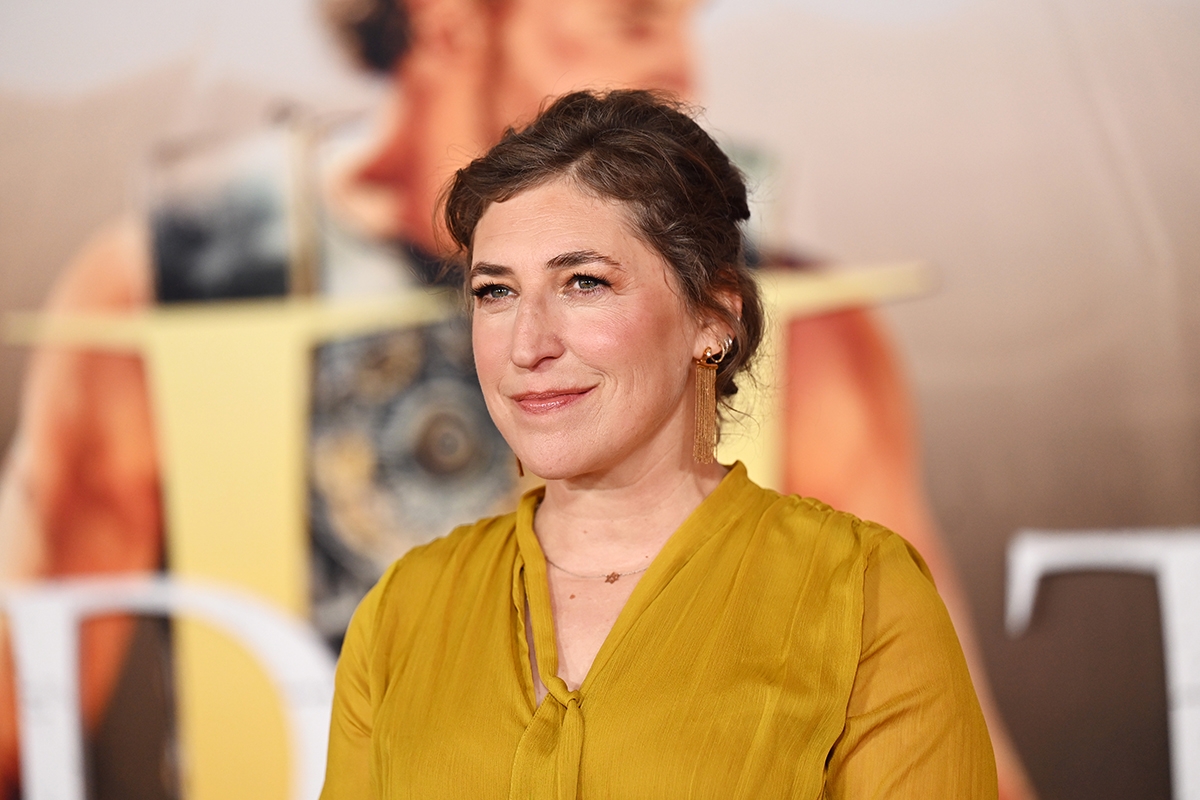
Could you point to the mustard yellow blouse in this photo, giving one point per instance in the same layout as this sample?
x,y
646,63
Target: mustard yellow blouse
x,y
775,648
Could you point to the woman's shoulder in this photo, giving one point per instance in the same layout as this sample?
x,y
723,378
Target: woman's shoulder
x,y
879,573
476,542
837,536
447,563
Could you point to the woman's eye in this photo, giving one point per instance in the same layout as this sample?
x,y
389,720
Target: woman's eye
x,y
587,283
491,291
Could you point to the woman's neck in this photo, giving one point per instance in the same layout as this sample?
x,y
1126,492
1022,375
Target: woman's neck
x,y
597,526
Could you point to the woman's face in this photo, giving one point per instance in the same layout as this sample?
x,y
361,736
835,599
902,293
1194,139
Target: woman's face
x,y
583,344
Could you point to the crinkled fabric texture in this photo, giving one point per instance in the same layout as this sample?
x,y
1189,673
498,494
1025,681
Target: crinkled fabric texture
x,y
776,648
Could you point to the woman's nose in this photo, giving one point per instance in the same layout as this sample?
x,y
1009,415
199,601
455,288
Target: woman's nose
x,y
535,337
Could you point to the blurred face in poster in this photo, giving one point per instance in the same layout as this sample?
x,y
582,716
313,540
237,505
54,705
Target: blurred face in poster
x,y
550,47
474,67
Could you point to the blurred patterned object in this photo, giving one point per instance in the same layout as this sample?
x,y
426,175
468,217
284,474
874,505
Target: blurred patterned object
x,y
401,447
402,450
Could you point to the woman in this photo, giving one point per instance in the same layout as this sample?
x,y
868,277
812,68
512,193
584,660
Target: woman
x,y
650,624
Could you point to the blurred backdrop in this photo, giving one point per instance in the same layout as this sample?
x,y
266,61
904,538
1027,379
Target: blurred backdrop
x,y
1040,153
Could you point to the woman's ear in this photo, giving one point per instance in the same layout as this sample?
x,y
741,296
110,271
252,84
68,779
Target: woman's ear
x,y
716,329
733,302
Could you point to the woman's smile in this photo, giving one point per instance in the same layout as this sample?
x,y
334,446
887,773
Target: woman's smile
x,y
549,401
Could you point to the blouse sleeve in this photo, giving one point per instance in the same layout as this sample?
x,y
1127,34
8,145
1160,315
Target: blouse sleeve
x,y
914,728
348,769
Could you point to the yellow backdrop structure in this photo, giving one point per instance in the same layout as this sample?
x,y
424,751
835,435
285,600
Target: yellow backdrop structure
x,y
230,387
755,436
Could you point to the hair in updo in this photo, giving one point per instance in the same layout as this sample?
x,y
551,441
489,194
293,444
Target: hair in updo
x,y
685,198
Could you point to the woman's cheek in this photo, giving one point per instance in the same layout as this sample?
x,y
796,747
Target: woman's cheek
x,y
488,350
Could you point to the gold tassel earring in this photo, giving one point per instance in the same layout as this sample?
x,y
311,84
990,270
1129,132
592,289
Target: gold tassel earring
x,y
520,467
705,441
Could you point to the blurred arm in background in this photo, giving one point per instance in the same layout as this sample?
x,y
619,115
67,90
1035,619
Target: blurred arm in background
x,y
853,441
79,493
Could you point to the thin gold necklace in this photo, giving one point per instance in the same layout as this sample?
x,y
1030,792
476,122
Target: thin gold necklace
x,y
611,577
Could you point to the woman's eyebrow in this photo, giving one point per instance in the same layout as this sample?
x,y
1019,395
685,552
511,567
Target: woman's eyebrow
x,y
567,260
484,268
576,258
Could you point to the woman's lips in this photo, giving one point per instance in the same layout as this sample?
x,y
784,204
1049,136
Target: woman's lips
x,y
553,400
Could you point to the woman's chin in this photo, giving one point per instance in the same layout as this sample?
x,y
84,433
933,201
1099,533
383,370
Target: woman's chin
x,y
554,467
547,471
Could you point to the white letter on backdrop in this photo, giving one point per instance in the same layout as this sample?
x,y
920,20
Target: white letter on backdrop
x,y
1173,557
44,627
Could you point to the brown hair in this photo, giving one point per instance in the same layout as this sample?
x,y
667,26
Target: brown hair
x,y
685,198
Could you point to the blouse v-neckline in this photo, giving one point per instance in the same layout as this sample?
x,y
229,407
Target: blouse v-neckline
x,y
531,585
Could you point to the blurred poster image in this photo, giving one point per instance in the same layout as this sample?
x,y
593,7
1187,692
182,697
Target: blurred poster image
x,y
402,451
400,445
1041,155
402,448
224,218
